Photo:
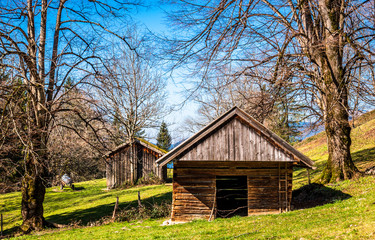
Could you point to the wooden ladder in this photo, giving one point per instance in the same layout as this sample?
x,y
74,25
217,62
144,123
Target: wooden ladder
x,y
283,191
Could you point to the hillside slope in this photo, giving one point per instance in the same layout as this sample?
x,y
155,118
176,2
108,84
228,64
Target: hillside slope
x,y
349,215
362,148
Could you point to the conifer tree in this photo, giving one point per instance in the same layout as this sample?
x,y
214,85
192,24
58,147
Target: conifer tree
x,y
164,139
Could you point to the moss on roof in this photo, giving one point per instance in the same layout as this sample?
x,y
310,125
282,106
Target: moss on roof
x,y
152,145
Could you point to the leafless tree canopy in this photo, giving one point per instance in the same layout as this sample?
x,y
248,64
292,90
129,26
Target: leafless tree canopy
x,y
42,44
323,49
132,89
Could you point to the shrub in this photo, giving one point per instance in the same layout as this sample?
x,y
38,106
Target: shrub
x,y
149,211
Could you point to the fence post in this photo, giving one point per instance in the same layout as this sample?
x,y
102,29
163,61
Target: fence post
x,y
139,200
1,225
115,209
308,176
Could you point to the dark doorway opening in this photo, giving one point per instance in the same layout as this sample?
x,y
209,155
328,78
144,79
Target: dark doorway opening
x,y
231,196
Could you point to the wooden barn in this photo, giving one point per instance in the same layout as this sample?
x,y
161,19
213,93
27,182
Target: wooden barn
x,y
133,160
233,166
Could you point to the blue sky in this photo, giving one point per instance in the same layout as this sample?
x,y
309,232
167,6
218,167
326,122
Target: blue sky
x,y
154,18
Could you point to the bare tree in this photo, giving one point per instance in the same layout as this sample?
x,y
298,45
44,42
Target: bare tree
x,y
43,43
77,141
324,48
132,92
254,95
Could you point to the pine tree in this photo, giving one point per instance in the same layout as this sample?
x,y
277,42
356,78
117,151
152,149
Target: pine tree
x,y
164,139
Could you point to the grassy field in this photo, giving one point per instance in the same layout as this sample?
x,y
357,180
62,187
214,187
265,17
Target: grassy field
x,y
349,217
352,218
86,205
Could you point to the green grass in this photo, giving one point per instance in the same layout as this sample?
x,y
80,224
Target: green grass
x,y
362,148
349,218
88,203
353,218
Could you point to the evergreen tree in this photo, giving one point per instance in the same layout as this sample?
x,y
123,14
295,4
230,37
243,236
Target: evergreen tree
x,y
164,139
69,84
141,133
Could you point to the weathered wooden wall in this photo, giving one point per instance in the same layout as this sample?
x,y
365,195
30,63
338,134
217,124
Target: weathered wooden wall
x,y
236,141
137,157
194,187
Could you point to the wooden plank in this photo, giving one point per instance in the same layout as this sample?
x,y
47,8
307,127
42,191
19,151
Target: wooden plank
x,y
206,201
229,164
194,197
195,191
185,178
225,143
183,211
186,181
190,217
236,140
194,185
228,172
245,143
231,141
188,207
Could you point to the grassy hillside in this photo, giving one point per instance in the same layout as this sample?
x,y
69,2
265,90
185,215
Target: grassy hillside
x,y
350,215
363,148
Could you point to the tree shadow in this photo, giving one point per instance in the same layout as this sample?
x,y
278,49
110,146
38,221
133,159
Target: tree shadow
x,y
9,233
315,194
85,216
364,158
78,188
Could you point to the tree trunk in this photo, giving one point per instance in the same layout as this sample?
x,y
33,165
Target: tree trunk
x,y
339,165
33,190
334,92
335,108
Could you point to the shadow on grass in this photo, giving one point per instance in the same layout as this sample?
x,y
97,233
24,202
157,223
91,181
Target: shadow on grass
x,y
84,216
315,194
301,173
78,188
364,158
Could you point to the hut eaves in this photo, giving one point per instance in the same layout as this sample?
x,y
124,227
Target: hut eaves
x,y
140,141
301,159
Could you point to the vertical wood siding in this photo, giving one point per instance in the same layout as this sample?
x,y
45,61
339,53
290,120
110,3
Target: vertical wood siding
x,y
236,141
141,158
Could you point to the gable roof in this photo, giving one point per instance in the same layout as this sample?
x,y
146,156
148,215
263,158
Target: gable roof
x,y
220,122
140,141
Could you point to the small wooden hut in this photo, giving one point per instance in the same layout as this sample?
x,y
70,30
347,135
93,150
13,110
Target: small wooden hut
x,y
133,160
233,166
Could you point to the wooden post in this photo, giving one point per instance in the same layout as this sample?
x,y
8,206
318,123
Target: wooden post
x,y
1,225
308,176
139,200
213,206
115,209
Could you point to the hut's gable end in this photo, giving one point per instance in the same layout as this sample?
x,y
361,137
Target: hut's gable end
x,y
235,141
130,162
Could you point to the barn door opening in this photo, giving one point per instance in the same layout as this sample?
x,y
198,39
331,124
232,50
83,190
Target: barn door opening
x,y
231,196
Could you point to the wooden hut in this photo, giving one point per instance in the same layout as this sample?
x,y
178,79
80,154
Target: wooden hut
x,y
132,161
233,166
